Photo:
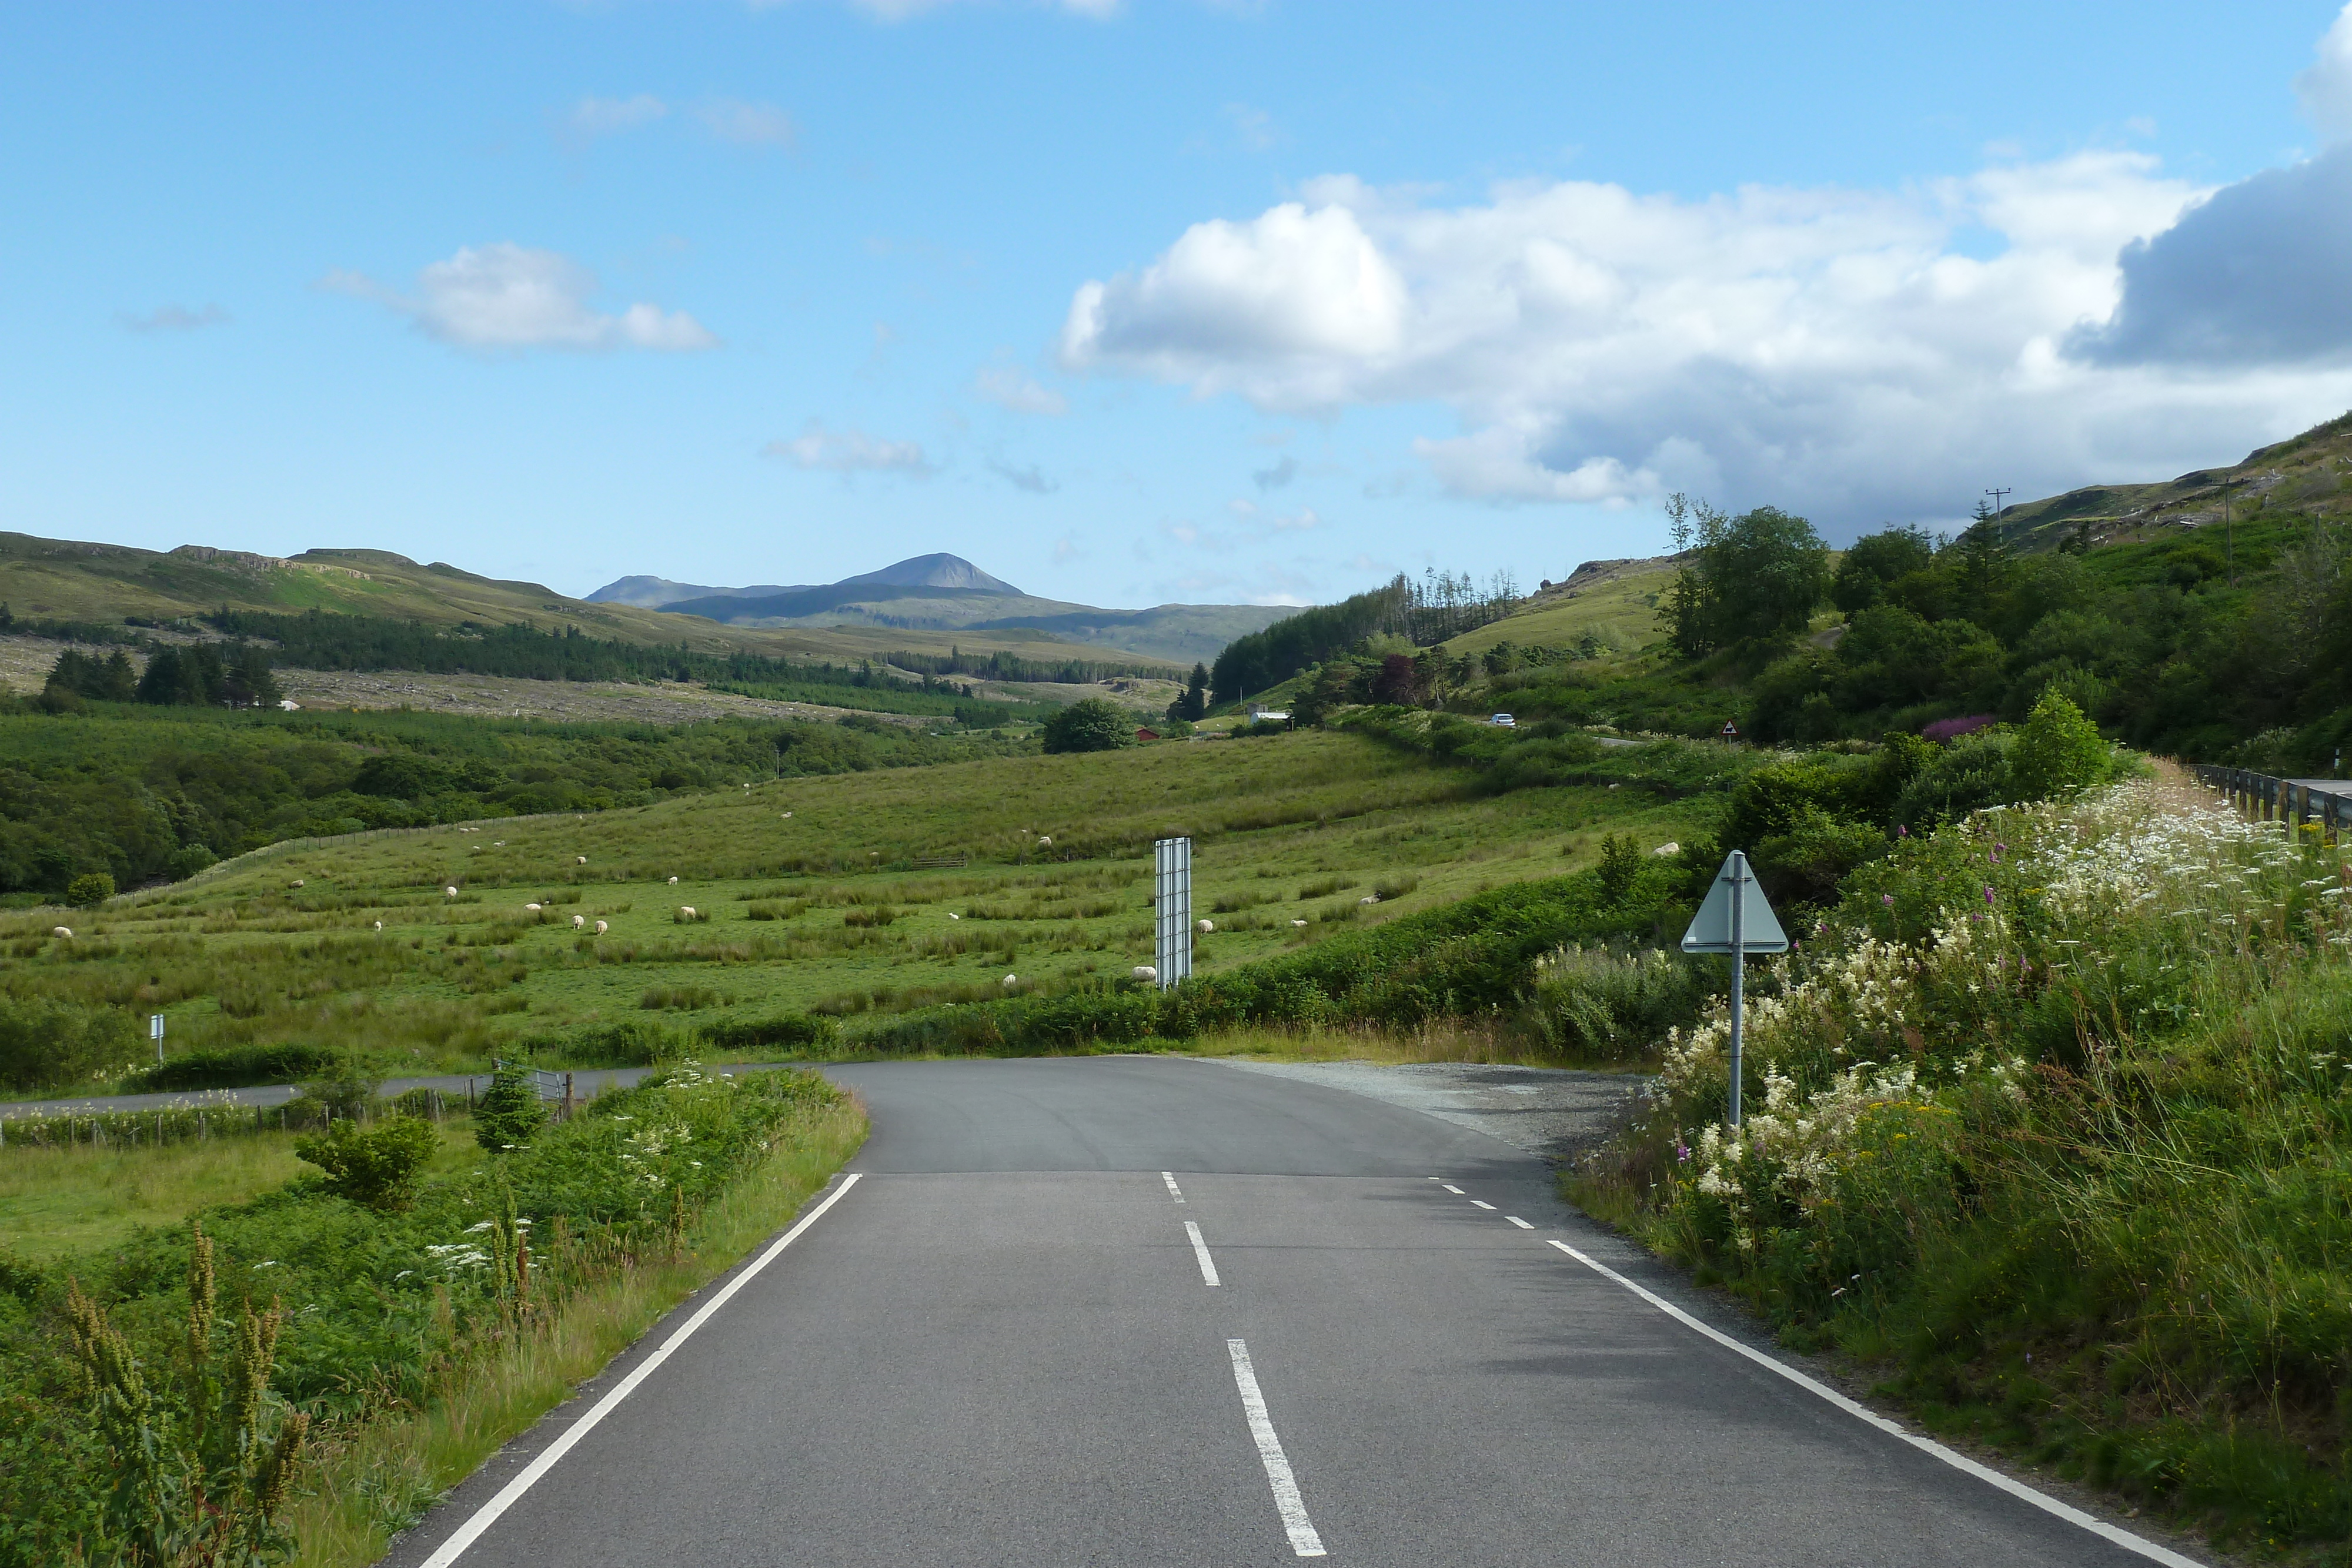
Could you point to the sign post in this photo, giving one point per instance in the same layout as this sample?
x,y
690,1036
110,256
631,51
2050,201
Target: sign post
x,y
1172,908
155,1033
1737,919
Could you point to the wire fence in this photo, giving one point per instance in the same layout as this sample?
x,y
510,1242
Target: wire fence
x,y
154,1129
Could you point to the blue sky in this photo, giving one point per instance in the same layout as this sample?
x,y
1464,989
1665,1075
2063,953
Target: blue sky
x,y
1151,300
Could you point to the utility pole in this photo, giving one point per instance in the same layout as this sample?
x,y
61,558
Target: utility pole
x,y
1996,493
2229,539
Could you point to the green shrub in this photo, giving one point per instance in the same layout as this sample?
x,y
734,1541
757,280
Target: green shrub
x,y
378,1167
47,1043
232,1067
792,1030
684,998
509,1114
1091,725
89,890
1609,1003
2059,753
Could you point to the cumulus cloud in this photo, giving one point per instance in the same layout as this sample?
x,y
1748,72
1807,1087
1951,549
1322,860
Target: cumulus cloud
x,y
1007,387
1854,353
851,451
2258,275
506,297
592,118
173,318
748,124
2325,89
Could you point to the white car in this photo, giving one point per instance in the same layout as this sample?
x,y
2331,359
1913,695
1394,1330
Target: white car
x,y
1504,721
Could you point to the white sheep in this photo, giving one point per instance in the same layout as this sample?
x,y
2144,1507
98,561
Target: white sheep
x,y
379,925
296,883
788,816
672,882
686,910
1669,847
1144,972
953,915
578,920
1369,898
61,933
532,908
1205,928
1044,843
579,859
1010,981
602,928
449,893
1298,922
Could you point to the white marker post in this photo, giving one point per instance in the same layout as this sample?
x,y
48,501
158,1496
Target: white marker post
x,y
1172,908
155,1033
1737,919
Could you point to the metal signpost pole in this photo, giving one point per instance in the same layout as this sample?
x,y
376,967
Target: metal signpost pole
x,y
1738,870
155,1033
1171,910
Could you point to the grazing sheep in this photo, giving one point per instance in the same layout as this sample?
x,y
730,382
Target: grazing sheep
x,y
1669,847
953,915
600,929
1010,981
1144,972
686,910
1044,843
61,933
1205,928
579,859
578,920
296,883
672,882
379,925
1369,898
449,893
788,816
1298,922
532,908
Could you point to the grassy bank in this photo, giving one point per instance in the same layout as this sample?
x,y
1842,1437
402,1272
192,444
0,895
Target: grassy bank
x,y
2051,1127
412,1330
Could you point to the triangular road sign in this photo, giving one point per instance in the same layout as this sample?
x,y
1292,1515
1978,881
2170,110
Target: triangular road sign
x,y
1758,929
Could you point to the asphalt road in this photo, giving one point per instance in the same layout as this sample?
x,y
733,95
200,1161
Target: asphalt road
x,y
1000,1347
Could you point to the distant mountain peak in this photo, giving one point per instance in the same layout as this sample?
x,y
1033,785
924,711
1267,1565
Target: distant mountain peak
x,y
937,570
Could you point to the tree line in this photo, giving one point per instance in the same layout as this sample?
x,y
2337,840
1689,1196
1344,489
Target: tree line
x,y
1441,605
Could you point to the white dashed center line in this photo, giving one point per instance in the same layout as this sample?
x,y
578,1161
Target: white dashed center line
x,y
1287,1500
1481,1203
1201,1251
1452,1188
1517,1221
1173,1190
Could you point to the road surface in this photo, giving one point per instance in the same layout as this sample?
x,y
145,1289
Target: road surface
x,y
1146,1312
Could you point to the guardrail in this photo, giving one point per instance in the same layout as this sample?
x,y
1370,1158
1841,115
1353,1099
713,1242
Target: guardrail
x,y
2295,801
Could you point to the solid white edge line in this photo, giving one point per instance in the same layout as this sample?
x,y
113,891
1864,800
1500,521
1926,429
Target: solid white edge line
x,y
1304,1542
465,1534
1173,1190
1200,1253
1959,1461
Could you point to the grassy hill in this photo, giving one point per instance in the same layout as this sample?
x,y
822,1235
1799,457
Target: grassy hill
x,y
70,581
811,893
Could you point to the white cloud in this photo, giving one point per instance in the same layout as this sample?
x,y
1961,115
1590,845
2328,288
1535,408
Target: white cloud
x,y
507,298
748,124
1833,351
593,117
849,451
2325,89
173,318
1008,387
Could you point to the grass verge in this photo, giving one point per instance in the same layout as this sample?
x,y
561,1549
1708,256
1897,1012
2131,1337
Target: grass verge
x,y
373,1480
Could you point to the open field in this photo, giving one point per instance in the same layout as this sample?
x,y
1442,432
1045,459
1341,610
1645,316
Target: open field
x,y
1617,603
808,896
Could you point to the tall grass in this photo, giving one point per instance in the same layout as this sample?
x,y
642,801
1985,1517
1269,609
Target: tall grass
x,y
374,1480
2050,1121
